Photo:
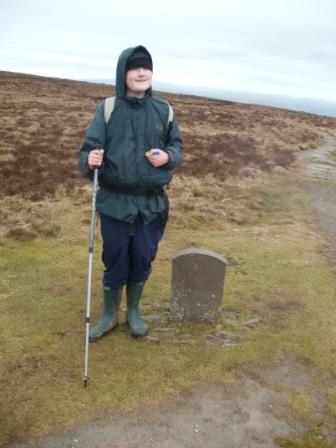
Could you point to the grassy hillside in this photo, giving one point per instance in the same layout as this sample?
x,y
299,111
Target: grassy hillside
x,y
238,193
43,121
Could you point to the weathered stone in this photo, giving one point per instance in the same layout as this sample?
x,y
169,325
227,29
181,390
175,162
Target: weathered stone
x,y
210,338
231,315
165,330
223,334
197,285
229,344
153,318
152,339
220,339
251,322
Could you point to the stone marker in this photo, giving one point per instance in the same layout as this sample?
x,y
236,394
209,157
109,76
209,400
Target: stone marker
x,y
197,285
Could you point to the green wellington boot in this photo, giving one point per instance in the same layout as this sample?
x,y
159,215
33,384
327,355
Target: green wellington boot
x,y
109,319
133,317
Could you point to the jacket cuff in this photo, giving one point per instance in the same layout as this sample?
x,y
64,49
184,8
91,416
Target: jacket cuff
x,y
170,164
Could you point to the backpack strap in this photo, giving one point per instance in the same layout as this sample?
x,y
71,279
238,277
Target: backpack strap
x,y
108,107
170,114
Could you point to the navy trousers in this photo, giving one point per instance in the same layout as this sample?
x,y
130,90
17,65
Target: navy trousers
x,y
129,249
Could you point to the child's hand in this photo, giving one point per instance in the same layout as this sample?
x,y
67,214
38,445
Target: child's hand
x,y
157,157
95,158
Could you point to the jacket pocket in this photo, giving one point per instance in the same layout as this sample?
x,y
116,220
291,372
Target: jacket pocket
x,y
158,177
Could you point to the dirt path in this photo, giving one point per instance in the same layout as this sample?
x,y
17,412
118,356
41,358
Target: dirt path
x,y
231,416
234,417
320,182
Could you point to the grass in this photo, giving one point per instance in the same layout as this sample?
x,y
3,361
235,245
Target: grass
x,y
277,273
236,194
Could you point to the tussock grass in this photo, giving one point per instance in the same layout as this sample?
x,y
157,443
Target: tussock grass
x,y
43,121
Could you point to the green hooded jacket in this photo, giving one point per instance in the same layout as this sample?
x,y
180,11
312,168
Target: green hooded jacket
x,y
135,126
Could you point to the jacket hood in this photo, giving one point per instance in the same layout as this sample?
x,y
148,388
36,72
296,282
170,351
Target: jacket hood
x,y
121,69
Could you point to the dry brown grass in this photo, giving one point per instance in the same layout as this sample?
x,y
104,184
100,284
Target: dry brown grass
x,y
43,121
232,139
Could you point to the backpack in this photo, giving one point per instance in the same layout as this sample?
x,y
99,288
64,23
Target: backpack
x,y
109,106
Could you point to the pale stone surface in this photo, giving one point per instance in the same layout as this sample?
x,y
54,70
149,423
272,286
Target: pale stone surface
x,y
197,285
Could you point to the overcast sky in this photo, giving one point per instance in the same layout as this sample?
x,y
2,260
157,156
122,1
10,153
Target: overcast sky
x,y
285,47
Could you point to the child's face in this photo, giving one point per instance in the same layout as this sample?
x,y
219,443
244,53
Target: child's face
x,y
138,80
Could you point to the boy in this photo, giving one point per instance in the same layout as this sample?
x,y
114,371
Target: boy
x,y
136,150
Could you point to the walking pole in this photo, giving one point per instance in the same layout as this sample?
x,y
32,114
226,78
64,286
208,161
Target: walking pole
x,y
89,282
